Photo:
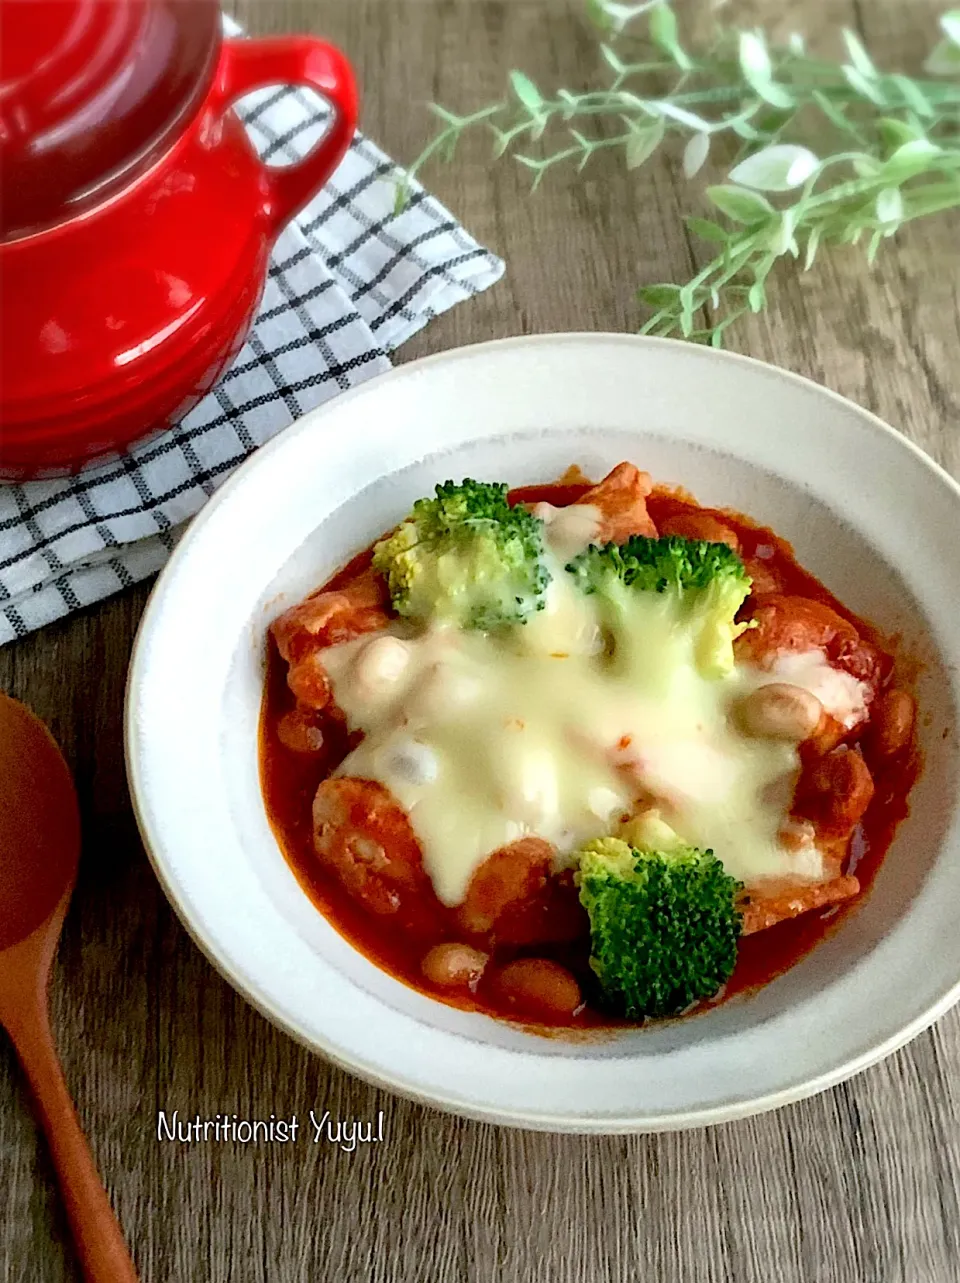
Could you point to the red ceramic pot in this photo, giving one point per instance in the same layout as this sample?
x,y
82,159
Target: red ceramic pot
x,y
137,219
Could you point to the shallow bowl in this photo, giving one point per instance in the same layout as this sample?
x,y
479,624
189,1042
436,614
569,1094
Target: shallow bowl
x,y
866,511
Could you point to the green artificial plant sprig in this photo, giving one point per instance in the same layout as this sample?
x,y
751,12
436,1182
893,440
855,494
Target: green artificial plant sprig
x,y
817,153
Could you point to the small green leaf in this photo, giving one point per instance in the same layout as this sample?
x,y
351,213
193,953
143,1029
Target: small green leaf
x,y
889,206
597,14
813,242
743,129
778,168
663,32
861,85
740,204
770,119
526,91
659,295
643,142
664,107
754,58
758,71
781,239
776,95
611,59
866,166
858,55
874,245
706,229
950,26
796,44
913,96
757,296
687,304
695,154
833,113
944,60
912,158
895,133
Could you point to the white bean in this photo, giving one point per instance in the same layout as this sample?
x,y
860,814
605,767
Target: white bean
x,y
442,689
413,762
454,965
382,661
780,711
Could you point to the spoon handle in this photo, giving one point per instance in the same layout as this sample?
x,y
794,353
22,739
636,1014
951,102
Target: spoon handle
x,y
96,1232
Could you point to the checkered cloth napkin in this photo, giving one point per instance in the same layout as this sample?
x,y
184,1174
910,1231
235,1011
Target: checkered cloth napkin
x,y
349,281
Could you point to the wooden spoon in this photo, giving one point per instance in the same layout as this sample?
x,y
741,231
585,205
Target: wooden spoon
x,y
39,853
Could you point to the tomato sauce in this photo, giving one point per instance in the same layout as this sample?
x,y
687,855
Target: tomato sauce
x,y
290,780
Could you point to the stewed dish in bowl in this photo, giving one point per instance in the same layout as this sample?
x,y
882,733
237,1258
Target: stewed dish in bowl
x,y
582,752
559,731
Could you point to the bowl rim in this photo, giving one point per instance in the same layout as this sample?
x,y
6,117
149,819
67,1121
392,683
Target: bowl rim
x,y
247,985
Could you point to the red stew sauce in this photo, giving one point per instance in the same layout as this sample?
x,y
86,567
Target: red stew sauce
x,y
290,780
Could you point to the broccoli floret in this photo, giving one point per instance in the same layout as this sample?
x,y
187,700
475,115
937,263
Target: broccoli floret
x,y
466,557
664,925
707,583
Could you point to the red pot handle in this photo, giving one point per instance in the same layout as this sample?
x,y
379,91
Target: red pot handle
x,y
294,60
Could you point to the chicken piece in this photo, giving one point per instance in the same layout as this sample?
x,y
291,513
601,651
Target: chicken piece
x,y
362,834
322,620
700,525
834,791
328,617
301,730
786,624
827,736
764,581
310,683
765,907
621,500
513,898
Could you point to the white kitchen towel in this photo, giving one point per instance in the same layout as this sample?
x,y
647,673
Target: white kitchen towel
x,y
349,281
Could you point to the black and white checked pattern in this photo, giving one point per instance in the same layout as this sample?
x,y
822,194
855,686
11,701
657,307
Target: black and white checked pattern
x,y
349,281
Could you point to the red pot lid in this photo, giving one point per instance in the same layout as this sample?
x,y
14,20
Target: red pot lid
x,y
90,91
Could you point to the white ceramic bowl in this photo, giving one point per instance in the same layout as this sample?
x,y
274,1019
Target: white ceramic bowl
x,y
866,511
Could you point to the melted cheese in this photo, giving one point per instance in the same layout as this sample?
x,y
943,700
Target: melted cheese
x,y
554,731
561,730
571,529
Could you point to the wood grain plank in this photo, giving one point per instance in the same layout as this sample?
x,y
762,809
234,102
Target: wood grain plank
x,y
859,1185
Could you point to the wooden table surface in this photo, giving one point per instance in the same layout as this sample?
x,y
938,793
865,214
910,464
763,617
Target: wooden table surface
x,y
859,1185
